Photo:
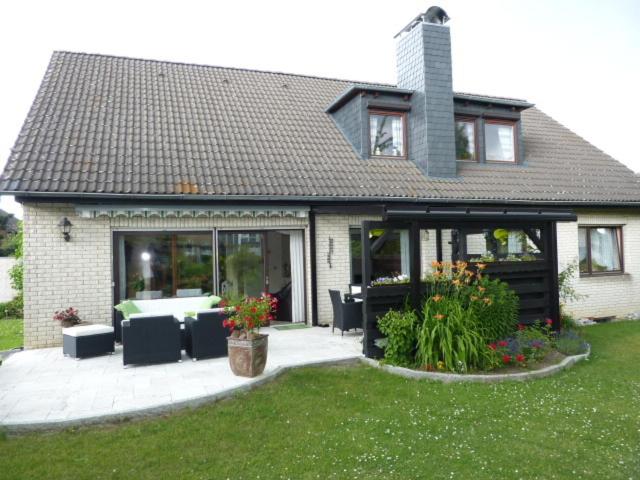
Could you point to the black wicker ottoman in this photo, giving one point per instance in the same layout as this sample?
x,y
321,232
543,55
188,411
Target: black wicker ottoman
x,y
87,340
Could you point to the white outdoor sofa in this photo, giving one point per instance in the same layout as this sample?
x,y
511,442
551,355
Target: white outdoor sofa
x,y
179,308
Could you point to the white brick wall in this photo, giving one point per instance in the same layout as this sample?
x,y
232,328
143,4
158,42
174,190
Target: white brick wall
x,y
79,273
605,295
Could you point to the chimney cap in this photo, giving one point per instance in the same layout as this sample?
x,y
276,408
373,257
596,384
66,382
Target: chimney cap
x,y
435,15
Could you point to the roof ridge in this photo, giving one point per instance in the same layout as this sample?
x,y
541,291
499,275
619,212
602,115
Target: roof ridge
x,y
203,65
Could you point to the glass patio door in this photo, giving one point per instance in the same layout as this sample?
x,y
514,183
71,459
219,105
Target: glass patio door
x,y
241,260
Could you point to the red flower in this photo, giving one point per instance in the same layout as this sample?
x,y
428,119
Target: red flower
x,y
549,322
254,309
502,343
521,326
492,346
222,304
238,308
520,358
506,359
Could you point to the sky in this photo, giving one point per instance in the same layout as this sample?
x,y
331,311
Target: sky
x,y
577,60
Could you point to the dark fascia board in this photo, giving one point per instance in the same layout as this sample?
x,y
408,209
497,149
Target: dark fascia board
x,y
481,213
353,90
488,100
343,201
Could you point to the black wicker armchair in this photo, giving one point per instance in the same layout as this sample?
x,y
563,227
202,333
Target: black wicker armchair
x,y
345,315
205,337
151,339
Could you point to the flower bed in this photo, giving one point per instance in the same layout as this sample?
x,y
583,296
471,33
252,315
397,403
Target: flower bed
x,y
468,323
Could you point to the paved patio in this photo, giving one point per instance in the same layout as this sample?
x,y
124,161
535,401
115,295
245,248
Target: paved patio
x,y
42,388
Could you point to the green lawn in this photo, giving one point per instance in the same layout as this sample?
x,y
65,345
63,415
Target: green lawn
x,y
359,422
10,333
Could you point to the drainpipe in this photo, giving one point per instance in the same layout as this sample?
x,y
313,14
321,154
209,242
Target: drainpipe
x,y
314,280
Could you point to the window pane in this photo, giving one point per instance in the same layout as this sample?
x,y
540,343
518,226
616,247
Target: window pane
x,y
582,250
355,246
387,137
499,142
147,267
389,254
194,261
241,263
165,265
605,256
504,245
465,140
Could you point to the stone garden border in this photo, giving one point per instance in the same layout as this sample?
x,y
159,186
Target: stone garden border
x,y
480,378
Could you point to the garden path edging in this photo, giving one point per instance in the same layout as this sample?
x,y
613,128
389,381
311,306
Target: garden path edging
x,y
483,378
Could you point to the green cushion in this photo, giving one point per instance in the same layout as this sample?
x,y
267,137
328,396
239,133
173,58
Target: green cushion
x,y
127,308
210,302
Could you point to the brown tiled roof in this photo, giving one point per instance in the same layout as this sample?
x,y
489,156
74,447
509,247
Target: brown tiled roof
x,y
110,125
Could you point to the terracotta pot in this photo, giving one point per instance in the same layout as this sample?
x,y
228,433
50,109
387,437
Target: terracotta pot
x,y
247,358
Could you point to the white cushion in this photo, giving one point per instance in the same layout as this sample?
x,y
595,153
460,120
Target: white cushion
x,y
84,330
170,306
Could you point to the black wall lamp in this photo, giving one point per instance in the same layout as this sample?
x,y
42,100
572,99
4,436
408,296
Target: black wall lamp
x,y
65,227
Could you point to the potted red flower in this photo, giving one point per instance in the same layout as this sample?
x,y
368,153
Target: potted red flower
x,y
247,347
67,317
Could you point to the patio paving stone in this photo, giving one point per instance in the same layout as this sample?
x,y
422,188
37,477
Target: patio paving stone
x,y
43,389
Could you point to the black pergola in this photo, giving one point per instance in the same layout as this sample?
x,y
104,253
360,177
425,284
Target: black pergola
x,y
535,282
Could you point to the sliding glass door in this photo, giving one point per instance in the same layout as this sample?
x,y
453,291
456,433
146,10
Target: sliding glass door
x,y
241,260
272,261
155,265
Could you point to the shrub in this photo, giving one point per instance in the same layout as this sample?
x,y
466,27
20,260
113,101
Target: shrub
x,y
16,272
13,308
498,317
448,336
569,342
400,330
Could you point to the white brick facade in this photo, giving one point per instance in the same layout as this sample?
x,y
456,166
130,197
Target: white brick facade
x,y
79,273
611,294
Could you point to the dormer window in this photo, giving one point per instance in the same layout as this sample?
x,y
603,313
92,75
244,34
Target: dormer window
x,y
387,132
500,140
465,139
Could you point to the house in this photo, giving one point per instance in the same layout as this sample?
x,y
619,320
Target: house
x,y
169,178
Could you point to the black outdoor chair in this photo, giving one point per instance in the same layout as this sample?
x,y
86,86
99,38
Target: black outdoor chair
x,y
345,315
205,337
151,339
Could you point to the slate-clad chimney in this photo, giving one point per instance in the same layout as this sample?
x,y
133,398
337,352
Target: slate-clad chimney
x,y
423,55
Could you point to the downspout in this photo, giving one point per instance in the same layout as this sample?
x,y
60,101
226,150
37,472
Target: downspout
x,y
314,280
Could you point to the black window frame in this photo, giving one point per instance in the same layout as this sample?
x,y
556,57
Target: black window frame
x,y
620,238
